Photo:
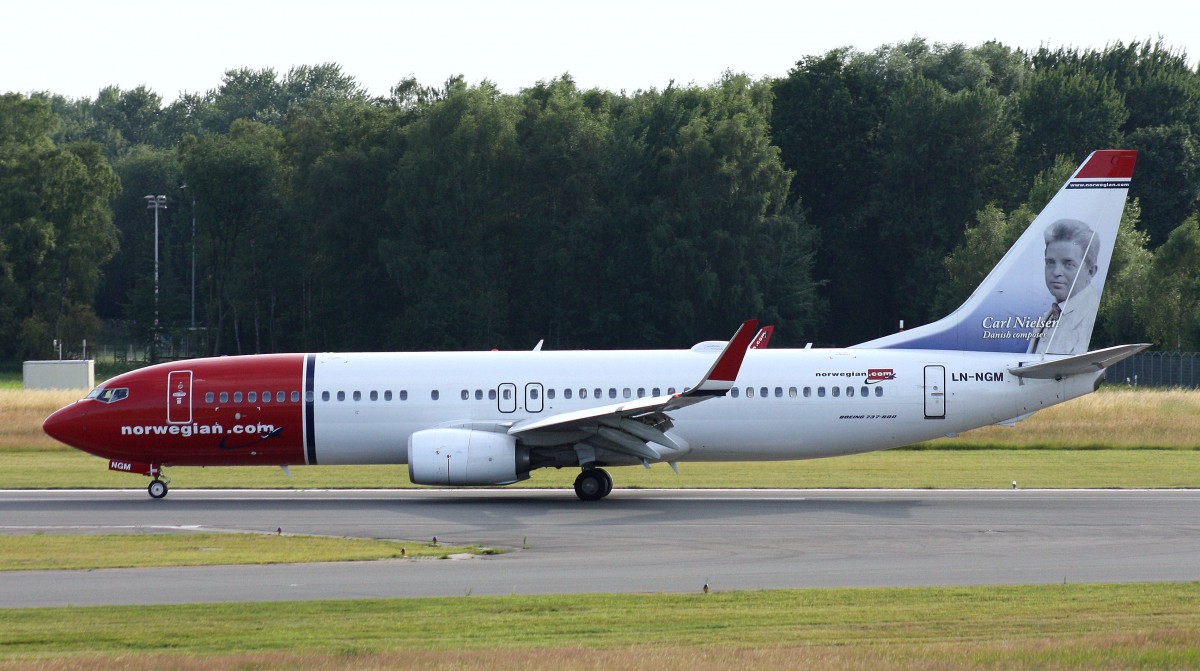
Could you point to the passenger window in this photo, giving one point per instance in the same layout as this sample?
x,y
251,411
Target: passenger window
x,y
598,393
567,393
281,397
341,396
491,394
849,392
296,397
210,397
626,393
506,394
533,393
734,392
267,397
465,395
403,394
821,392
879,391
670,391
237,397
387,394
252,397
374,395
324,396
836,391
641,392
358,396
224,397
612,392
655,392
583,393
435,394
865,392
808,392
792,392
749,392
778,392
550,394
308,396
763,392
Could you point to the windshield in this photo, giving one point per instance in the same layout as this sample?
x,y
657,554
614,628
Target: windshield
x,y
108,394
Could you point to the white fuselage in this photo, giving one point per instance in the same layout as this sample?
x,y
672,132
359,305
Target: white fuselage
x,y
817,402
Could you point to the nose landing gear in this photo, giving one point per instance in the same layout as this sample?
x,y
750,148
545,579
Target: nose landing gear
x,y
593,484
157,488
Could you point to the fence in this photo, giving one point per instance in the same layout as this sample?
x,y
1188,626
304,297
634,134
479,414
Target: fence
x,y
1158,369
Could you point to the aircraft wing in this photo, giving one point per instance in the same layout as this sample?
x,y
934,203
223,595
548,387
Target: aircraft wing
x,y
1088,362
628,427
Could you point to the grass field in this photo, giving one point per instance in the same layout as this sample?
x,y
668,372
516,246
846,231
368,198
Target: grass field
x,y
1034,627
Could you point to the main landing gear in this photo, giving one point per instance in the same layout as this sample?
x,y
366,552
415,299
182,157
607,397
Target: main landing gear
x,y
593,484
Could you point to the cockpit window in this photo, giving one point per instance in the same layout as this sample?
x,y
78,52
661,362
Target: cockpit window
x,y
108,394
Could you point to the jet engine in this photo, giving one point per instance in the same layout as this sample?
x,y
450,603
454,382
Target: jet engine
x,y
457,457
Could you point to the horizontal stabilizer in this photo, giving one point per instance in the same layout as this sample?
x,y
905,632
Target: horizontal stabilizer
x,y
1078,364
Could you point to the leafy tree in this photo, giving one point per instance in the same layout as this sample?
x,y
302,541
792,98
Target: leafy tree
x,y
1175,302
1167,178
240,185
945,154
451,206
55,227
1067,110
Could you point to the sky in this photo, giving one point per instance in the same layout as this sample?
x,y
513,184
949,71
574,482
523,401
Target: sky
x,y
75,48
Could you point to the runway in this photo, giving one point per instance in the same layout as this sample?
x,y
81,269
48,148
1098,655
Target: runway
x,y
634,541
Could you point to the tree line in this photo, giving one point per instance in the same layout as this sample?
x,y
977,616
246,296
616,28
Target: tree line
x,y
859,190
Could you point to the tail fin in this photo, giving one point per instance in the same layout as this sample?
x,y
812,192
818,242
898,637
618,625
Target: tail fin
x,y
1043,295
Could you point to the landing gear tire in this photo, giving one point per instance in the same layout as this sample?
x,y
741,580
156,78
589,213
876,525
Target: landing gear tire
x,y
157,489
593,484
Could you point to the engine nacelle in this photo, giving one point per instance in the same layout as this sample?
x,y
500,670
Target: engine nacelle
x,y
457,457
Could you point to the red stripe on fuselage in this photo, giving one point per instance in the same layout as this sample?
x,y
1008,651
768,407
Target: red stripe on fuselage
x,y
226,428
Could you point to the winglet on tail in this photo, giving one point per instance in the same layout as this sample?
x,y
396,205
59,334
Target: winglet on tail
x,y
1019,309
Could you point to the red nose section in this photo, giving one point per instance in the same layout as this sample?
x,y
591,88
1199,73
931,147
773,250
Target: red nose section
x,y
68,425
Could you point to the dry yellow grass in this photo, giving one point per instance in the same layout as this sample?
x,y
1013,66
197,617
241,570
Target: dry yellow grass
x,y
23,411
1117,418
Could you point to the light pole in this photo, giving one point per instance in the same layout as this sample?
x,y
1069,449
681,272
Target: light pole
x,y
155,203
192,331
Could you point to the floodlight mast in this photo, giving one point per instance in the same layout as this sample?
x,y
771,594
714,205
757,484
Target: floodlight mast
x,y
155,203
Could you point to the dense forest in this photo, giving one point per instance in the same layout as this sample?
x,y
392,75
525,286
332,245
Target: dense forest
x,y
859,190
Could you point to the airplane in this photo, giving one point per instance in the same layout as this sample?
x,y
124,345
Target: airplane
x,y
1017,345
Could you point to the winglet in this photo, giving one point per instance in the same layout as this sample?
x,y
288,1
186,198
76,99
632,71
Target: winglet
x,y
719,379
763,337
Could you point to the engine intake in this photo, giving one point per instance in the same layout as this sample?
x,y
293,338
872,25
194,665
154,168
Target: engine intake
x,y
462,457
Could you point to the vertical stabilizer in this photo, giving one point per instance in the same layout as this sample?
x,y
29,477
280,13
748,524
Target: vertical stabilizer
x,y
1042,297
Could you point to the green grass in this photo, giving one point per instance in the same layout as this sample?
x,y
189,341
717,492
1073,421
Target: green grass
x,y
1056,626
49,552
973,468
